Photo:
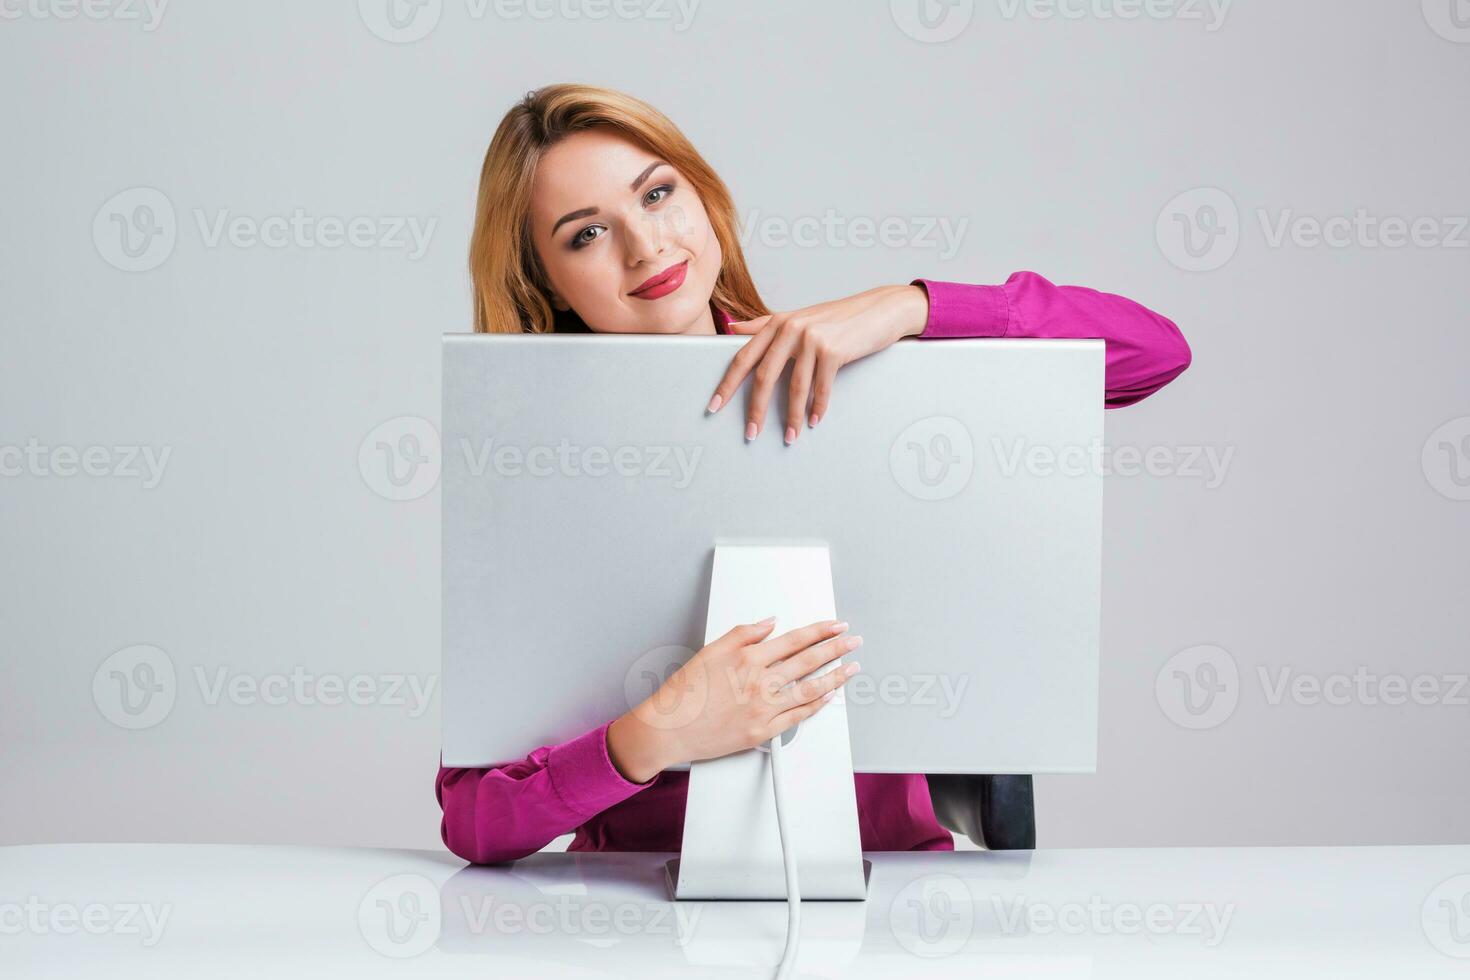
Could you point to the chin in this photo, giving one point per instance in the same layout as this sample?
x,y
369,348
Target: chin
x,y
677,318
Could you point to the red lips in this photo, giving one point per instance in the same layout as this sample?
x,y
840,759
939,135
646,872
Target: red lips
x,y
663,283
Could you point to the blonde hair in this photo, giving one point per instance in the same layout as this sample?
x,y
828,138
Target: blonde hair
x,y
511,291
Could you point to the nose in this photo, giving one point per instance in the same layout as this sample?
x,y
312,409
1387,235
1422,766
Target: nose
x,y
648,237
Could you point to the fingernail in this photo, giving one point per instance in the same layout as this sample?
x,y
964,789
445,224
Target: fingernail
x,y
853,642
852,668
812,423
714,404
749,431
790,435
828,696
836,628
767,621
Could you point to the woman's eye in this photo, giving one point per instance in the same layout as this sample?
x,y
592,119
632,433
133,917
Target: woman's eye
x,y
586,236
658,194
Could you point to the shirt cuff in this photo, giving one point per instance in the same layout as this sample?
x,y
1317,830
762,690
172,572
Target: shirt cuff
x,y
584,777
958,309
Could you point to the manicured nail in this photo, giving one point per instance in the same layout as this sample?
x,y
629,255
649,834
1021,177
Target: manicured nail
x,y
749,431
790,435
828,696
714,404
767,621
836,628
852,668
812,422
853,642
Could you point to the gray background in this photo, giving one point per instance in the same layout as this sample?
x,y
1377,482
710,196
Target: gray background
x,y
1329,546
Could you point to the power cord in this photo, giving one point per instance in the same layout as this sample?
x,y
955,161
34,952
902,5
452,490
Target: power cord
x,y
788,862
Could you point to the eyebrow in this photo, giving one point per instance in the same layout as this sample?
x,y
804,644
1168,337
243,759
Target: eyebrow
x,y
589,212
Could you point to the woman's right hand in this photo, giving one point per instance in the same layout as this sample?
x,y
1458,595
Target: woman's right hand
x,y
734,694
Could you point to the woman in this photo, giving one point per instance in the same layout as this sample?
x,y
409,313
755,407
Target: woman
x,y
596,214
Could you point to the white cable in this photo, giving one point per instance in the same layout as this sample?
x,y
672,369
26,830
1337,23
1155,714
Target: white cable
x,y
788,861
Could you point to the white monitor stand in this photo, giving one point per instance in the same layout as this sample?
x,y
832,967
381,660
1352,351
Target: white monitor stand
x,y
732,845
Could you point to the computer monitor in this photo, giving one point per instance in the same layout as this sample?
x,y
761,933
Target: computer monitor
x,y
952,482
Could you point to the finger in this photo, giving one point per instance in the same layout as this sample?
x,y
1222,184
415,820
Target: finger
x,y
792,716
748,326
780,647
813,688
746,634
813,658
740,365
767,373
826,373
796,392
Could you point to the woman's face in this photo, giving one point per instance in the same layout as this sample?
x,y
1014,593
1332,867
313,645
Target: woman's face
x,y
616,230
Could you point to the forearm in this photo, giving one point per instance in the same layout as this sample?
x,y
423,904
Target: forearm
x,y
506,812
639,750
1145,351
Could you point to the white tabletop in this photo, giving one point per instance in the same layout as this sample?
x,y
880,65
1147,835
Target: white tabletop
x,y
123,910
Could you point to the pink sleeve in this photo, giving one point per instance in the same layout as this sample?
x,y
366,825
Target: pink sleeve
x,y
1145,351
511,810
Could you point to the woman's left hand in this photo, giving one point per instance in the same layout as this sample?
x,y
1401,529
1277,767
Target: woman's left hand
x,y
820,339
